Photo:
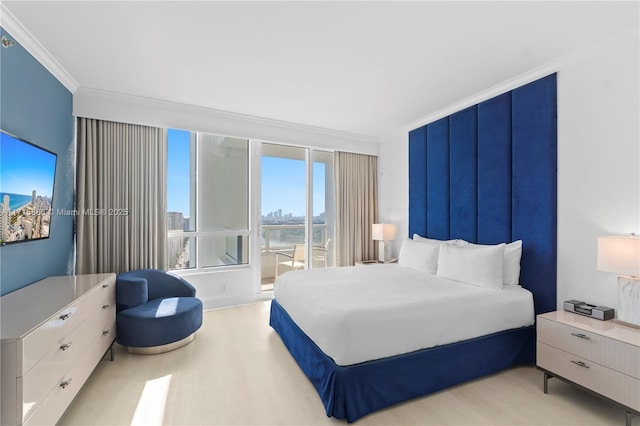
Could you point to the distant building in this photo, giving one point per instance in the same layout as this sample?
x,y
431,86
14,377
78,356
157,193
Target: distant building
x,y
33,197
175,221
4,219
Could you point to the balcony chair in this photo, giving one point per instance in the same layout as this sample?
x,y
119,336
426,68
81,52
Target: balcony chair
x,y
294,260
320,255
155,311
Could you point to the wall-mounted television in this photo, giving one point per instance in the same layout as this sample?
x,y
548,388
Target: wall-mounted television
x,y
27,174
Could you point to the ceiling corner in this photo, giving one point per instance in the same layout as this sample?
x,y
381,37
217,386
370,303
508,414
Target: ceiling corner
x,y
22,35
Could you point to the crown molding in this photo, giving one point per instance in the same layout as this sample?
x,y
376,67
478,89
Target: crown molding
x,y
115,106
556,65
18,31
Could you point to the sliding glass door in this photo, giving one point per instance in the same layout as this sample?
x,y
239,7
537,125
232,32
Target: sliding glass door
x,y
296,207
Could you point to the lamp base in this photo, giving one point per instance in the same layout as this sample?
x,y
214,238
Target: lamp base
x,y
629,301
384,253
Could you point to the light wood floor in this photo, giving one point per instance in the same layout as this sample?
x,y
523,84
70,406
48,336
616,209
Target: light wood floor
x,y
238,372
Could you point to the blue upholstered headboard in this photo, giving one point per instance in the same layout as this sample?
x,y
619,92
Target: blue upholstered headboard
x,y
487,174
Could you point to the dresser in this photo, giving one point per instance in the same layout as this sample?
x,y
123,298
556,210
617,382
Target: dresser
x,y
602,356
54,333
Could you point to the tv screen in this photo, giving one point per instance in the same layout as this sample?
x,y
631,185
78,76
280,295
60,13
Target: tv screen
x,y
27,175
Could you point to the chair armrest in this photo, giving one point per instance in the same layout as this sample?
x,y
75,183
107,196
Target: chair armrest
x,y
180,286
282,253
130,292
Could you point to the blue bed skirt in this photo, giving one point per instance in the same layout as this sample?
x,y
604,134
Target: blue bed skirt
x,y
351,392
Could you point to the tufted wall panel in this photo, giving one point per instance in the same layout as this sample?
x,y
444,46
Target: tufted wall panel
x,y
488,174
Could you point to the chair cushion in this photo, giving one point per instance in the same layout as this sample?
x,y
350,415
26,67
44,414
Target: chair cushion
x,y
159,322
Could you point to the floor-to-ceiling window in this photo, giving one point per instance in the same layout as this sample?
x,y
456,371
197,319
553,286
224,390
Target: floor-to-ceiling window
x,y
297,207
207,200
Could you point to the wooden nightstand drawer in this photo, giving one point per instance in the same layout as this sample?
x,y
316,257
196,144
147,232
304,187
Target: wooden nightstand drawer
x,y
595,347
605,381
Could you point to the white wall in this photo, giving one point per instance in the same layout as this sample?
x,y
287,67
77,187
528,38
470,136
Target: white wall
x,y
598,161
598,164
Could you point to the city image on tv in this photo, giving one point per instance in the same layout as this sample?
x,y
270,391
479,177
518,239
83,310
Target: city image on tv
x,y
27,174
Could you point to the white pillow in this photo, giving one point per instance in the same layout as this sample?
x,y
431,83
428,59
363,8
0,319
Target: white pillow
x,y
512,257
422,239
476,265
418,256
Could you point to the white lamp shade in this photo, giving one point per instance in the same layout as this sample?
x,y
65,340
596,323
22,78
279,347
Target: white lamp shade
x,y
620,255
383,231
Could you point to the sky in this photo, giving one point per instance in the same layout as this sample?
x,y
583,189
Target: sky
x,y
283,180
25,167
178,171
284,186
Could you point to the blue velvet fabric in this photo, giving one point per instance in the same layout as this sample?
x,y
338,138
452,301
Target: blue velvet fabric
x,y
463,169
159,283
130,291
491,173
159,322
155,308
494,170
437,188
418,177
535,188
350,392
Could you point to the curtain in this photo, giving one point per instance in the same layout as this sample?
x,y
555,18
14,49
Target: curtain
x,y
120,197
356,182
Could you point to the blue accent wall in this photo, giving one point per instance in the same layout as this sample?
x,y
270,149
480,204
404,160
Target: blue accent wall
x,y
36,107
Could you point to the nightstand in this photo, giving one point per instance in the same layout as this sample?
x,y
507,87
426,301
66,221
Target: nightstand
x,y
601,356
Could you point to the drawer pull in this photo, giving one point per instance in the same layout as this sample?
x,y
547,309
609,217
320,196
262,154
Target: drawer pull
x,y
580,364
581,336
104,333
66,383
65,346
65,316
105,285
105,306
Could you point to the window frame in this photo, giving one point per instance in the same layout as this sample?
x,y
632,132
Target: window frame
x,y
199,234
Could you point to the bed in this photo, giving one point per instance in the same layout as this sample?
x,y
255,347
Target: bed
x,y
486,175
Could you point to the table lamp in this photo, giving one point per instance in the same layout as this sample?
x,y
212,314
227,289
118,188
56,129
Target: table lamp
x,y
383,232
621,255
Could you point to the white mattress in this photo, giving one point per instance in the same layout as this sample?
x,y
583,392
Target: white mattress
x,y
362,313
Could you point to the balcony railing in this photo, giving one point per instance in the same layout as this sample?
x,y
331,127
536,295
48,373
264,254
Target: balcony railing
x,y
285,237
282,239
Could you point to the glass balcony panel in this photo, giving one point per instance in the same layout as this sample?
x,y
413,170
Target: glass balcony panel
x,y
224,250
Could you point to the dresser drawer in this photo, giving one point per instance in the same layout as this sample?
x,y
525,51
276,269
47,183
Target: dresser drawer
x,y
107,293
36,321
611,353
598,378
53,333
39,381
59,398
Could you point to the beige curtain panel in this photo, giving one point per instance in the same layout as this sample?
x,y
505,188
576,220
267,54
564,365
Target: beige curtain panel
x,y
121,197
356,181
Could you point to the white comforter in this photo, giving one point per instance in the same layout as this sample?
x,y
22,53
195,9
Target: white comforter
x,y
362,313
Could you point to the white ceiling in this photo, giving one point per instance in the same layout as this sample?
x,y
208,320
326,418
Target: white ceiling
x,y
360,67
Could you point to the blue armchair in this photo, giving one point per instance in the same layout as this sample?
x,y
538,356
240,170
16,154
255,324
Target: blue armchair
x,y
155,312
